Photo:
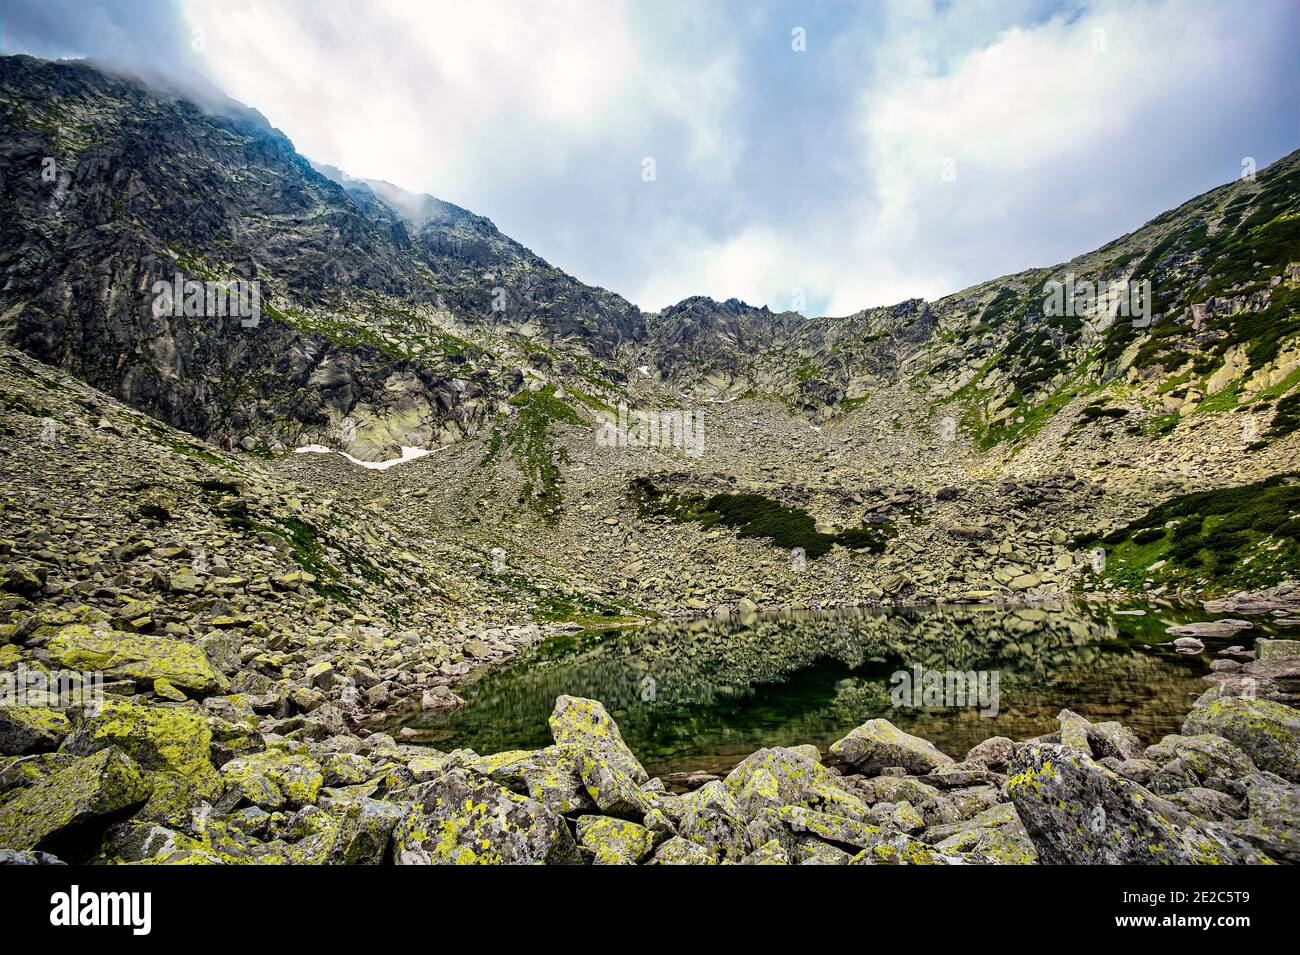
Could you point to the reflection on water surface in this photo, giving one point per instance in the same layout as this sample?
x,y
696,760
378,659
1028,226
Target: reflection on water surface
x,y
702,694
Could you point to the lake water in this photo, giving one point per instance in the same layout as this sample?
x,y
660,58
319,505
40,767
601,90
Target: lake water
x,y
703,694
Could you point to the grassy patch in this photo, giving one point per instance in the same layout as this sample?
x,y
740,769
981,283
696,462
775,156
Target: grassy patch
x,y
310,554
530,444
200,454
553,606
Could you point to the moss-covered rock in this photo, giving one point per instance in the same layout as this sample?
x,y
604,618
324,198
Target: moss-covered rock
x,y
614,792
999,844
137,657
828,827
232,740
712,817
19,771
275,778
587,725
900,849
99,786
679,851
350,832
548,775
614,841
462,818
172,743
994,835
1272,822
364,831
1080,813
132,842
878,744
1268,732
24,729
769,853
1187,761
809,850
779,777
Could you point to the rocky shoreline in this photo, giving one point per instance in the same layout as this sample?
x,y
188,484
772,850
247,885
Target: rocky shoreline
x,y
182,770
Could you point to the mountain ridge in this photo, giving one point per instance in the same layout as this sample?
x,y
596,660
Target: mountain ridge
x,y
429,328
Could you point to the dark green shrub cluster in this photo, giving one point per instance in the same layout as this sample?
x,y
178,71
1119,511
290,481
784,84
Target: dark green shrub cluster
x,y
1217,526
1286,417
1257,237
1093,412
1148,535
1002,306
753,515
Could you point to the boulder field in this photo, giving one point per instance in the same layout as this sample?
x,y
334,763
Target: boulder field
x,y
144,779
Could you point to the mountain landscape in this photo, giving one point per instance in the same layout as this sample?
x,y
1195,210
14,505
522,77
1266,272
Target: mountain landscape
x,y
426,450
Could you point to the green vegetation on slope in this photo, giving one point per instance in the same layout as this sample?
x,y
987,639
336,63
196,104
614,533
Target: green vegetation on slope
x,y
528,436
753,515
1228,538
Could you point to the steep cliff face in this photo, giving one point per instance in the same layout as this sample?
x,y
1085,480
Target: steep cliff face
x,y
390,318
1214,281
111,188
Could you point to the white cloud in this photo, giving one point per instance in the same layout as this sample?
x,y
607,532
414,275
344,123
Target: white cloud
x,y
446,97
1063,134
539,114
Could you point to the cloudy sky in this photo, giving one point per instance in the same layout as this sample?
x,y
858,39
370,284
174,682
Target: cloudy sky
x,y
860,152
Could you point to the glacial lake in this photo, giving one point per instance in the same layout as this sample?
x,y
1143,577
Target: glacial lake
x,y
702,694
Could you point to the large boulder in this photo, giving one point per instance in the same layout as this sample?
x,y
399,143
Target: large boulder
x,y
1272,821
878,744
792,824
21,771
901,849
275,778
712,817
796,777
679,851
462,818
99,786
1080,813
1190,761
549,775
958,805
610,773
351,832
1074,731
994,835
586,725
1268,732
614,841
614,791
995,753
136,656
24,729
769,853
172,743
1115,740
132,842
1207,803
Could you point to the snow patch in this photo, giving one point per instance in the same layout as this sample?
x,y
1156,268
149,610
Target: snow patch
x,y
408,454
